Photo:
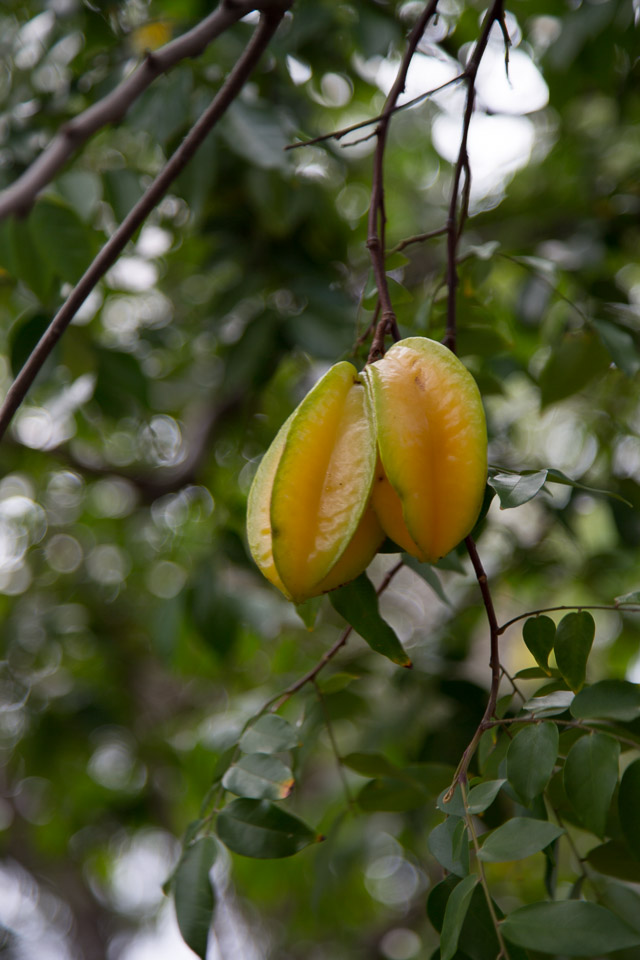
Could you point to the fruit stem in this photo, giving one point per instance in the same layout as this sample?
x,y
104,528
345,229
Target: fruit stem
x,y
377,215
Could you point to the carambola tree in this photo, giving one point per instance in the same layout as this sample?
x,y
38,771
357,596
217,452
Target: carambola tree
x,y
311,255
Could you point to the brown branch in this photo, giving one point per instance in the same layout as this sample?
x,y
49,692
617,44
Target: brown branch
x,y
456,218
160,481
280,698
334,744
268,25
19,197
377,216
494,663
611,607
418,238
339,134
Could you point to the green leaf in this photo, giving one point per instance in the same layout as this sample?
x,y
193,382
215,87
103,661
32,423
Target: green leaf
x,y
62,239
571,366
399,293
518,838
575,928
514,489
454,916
621,900
269,734
428,574
620,346
550,705
449,844
615,860
539,634
633,597
478,940
193,894
531,758
629,805
536,673
557,476
574,637
482,796
357,602
451,562
609,700
590,777
308,611
258,829
260,776
336,682
454,805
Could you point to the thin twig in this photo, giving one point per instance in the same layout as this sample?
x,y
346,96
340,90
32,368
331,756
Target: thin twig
x,y
334,746
532,718
280,698
268,25
199,436
612,607
377,217
19,197
516,688
519,261
481,873
582,867
494,662
457,217
494,659
418,238
339,134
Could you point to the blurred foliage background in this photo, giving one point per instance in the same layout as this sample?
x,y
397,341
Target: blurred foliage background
x,y
137,635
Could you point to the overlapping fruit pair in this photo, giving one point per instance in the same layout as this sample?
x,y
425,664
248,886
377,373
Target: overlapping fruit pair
x,y
398,450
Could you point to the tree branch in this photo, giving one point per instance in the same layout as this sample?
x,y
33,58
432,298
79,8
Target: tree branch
x,y
280,698
160,481
611,607
339,134
456,219
377,216
19,197
494,662
268,25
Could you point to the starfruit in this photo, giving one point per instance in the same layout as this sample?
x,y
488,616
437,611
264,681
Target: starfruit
x,y
309,523
400,449
432,443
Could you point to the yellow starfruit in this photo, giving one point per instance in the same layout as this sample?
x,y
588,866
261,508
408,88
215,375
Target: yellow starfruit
x,y
432,443
400,449
309,525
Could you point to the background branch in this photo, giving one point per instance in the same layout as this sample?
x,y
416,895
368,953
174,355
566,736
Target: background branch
x,y
268,25
377,216
309,677
19,197
456,218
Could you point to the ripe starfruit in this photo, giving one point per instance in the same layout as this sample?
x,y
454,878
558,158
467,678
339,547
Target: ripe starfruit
x,y
400,449
309,523
432,443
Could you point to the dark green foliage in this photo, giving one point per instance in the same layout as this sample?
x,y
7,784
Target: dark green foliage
x,y
147,669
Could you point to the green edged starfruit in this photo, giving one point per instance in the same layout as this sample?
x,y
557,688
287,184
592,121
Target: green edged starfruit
x,y
310,527
432,442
